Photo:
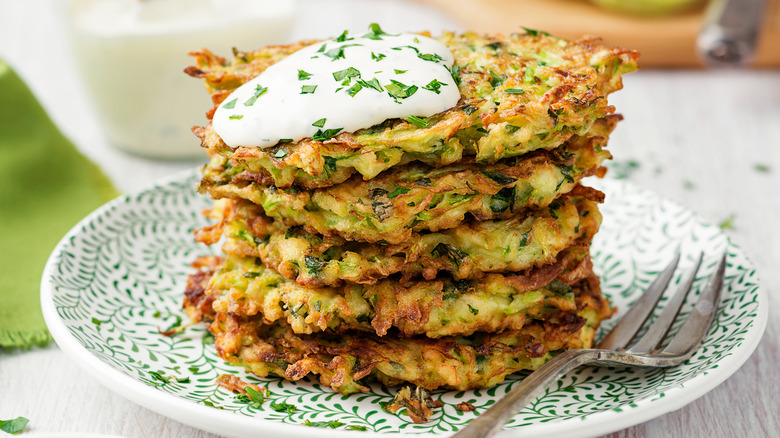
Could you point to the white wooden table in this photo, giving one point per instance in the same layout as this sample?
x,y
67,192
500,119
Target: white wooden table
x,y
698,136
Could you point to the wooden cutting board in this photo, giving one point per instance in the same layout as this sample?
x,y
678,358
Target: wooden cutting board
x,y
662,42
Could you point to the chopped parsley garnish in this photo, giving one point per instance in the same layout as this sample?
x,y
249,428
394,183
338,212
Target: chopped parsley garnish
x,y
763,168
255,397
514,91
534,32
321,49
417,121
398,72
376,32
355,427
235,117
13,426
302,75
321,135
399,90
281,153
285,140
162,380
473,310
455,73
333,424
308,89
338,52
354,90
378,57
373,83
728,223
283,407
259,91
230,105
350,72
319,123
343,37
434,86
433,57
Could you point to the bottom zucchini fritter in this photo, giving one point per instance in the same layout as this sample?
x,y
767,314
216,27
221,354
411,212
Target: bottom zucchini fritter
x,y
350,360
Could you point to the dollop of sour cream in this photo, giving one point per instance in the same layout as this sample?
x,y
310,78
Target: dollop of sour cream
x,y
345,84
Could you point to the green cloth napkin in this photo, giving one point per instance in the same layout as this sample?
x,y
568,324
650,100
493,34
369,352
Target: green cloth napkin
x,y
46,187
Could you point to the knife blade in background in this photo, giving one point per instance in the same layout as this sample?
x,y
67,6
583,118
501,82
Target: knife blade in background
x,y
729,32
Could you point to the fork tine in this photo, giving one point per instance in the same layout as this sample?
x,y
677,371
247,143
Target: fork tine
x,y
698,323
625,330
660,327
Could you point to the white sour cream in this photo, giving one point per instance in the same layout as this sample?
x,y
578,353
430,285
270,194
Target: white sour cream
x,y
346,84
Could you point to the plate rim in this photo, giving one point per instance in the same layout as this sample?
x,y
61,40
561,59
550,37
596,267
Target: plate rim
x,y
212,420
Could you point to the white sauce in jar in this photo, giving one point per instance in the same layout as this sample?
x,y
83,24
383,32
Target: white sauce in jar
x,y
132,54
346,84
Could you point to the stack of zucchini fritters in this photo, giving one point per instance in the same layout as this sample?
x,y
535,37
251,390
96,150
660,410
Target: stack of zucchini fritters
x,y
446,255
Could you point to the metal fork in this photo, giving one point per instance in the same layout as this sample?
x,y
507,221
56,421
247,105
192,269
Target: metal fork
x,y
616,348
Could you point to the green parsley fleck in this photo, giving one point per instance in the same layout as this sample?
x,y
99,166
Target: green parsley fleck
x,y
473,310
373,83
534,32
343,37
514,91
230,105
354,90
302,75
355,427
321,135
211,405
398,90
378,57
283,407
434,86
728,223
399,72
376,32
333,424
285,140
524,240
308,89
281,153
417,121
255,397
433,57
319,123
259,91
763,168
338,52
13,426
235,117
347,73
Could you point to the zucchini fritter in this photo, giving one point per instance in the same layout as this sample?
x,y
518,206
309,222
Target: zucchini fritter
x,y
418,197
519,93
346,362
466,251
434,308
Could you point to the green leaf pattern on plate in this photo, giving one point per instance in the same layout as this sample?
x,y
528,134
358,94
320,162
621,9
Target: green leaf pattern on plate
x,y
129,261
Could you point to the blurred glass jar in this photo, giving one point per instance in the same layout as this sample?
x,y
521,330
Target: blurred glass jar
x,y
132,54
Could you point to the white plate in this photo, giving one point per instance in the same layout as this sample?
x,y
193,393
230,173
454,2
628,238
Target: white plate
x,y
119,275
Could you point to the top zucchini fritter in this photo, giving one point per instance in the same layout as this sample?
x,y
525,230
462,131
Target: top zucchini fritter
x,y
519,93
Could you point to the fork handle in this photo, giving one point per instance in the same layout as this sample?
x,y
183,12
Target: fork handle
x,y
492,420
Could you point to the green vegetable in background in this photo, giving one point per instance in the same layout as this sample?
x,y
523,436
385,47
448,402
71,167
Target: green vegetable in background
x,y
648,7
